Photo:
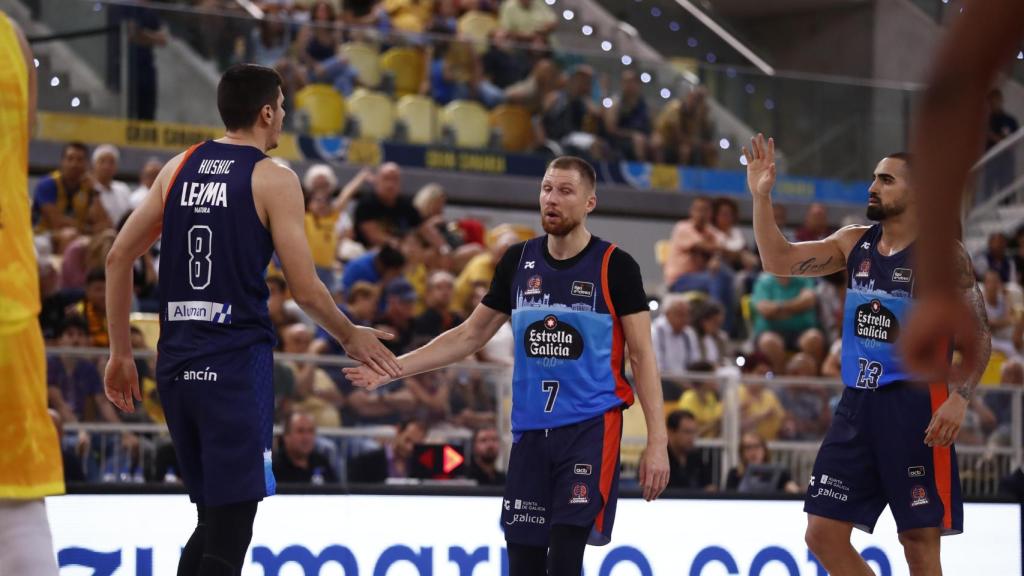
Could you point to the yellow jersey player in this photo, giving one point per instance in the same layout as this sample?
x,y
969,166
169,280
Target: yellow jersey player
x,y
30,462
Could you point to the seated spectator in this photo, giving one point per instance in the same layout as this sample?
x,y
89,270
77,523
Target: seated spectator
x,y
693,261
323,214
66,198
526,21
480,270
760,409
283,310
74,467
317,48
484,457
808,403
360,306
688,468
94,307
82,255
399,305
674,339
997,405
147,175
74,387
1001,319
457,73
785,319
713,345
830,293
382,215
532,92
997,257
391,461
365,13
438,317
628,121
815,225
297,461
430,201
54,301
754,452
473,401
114,195
432,393
724,216
379,266
570,118
702,401
500,349
684,133
315,393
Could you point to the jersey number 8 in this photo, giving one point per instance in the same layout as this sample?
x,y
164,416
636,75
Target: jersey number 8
x,y
200,240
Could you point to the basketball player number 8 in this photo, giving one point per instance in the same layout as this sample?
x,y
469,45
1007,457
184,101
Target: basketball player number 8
x,y
551,387
200,240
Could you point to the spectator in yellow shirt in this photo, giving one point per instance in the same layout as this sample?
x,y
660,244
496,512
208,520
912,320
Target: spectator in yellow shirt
x,y
761,411
322,215
703,402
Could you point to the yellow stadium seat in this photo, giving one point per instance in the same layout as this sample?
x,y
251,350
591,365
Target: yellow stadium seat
x,y
477,26
323,107
468,122
149,325
365,60
407,22
407,67
375,113
661,248
516,127
420,117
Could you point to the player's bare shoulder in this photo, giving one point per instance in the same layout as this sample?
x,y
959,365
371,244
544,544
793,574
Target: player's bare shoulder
x,y
847,236
273,186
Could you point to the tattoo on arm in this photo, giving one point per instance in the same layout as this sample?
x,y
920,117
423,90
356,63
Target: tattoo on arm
x,y
810,266
969,284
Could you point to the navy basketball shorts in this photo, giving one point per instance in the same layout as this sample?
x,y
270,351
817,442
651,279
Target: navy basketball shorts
x,y
220,412
874,455
567,475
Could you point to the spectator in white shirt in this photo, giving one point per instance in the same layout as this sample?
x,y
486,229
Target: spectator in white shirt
x,y
115,196
675,341
150,170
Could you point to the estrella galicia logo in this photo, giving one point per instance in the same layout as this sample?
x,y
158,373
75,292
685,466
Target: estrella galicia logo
x,y
876,322
552,338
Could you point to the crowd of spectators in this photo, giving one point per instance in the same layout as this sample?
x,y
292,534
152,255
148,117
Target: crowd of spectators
x,y
519,63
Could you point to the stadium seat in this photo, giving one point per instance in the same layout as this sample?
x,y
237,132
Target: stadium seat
x,y
661,248
406,67
374,112
477,26
365,60
515,126
468,123
148,324
321,110
418,114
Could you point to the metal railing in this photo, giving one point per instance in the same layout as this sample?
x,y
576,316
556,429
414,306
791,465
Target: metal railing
x,y
990,447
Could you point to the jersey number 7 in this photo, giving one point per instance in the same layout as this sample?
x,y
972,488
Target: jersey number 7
x,y
551,387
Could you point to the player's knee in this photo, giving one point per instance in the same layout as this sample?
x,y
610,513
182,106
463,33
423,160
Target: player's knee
x,y
822,539
919,545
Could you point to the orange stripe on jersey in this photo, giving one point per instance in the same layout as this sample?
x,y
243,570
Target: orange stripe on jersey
x,y
609,460
942,460
622,388
174,177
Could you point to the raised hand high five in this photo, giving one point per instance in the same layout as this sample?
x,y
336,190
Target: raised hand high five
x,y
760,165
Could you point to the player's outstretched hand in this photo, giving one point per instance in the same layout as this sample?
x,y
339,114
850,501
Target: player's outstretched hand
x,y
934,322
121,383
363,345
945,424
654,471
760,165
365,377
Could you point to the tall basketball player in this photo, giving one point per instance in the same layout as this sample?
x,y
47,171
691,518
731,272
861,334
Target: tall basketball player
x,y
577,302
224,208
30,461
891,439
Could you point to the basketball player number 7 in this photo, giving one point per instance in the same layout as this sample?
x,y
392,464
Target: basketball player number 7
x,y
551,387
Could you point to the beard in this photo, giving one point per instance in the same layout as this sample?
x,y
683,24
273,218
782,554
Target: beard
x,y
563,227
880,212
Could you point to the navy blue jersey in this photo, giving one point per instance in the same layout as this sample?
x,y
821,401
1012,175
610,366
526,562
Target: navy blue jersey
x,y
214,258
569,345
878,300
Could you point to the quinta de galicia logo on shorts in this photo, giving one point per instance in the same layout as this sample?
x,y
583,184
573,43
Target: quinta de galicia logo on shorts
x,y
918,496
876,322
552,338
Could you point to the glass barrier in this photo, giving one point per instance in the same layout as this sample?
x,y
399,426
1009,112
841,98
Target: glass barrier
x,y
772,427
149,54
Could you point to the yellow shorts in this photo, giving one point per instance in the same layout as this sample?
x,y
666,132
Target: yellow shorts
x,y
30,458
